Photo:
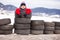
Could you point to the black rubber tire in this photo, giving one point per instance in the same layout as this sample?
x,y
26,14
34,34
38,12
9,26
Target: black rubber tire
x,y
57,23
5,32
57,28
5,21
49,28
6,27
51,24
23,32
22,26
1,31
38,27
17,16
37,22
57,32
48,32
37,32
28,16
22,20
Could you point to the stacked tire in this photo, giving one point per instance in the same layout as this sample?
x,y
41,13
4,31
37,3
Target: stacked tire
x,y
57,28
49,28
37,27
22,25
5,28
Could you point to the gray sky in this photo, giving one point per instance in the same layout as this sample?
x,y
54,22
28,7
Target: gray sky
x,y
34,3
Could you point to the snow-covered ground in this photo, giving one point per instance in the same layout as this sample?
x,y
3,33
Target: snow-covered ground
x,y
46,19
41,16
11,16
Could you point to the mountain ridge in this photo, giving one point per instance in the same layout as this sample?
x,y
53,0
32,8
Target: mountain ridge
x,y
34,10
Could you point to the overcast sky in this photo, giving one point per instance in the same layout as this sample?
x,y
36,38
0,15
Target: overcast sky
x,y
55,4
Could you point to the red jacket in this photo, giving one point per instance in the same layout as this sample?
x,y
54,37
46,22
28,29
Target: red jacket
x,y
28,11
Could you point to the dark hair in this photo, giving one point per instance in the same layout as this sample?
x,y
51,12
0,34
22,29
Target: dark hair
x,y
23,4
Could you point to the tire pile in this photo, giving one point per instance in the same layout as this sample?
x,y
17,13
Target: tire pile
x,y
5,28
37,27
22,25
57,27
25,26
49,28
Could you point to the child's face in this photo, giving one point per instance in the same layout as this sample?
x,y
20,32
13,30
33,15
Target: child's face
x,y
23,7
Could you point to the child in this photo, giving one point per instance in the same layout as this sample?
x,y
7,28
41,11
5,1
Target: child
x,y
23,11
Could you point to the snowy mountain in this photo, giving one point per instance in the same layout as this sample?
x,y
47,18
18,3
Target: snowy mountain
x,y
7,7
46,10
1,5
35,11
39,11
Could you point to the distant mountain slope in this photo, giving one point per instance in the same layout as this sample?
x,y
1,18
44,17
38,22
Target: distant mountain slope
x,y
7,7
34,10
46,10
1,5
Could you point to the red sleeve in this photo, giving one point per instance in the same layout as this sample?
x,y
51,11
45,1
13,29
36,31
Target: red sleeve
x,y
28,11
17,11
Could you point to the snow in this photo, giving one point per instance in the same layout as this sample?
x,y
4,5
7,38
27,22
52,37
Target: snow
x,y
7,14
45,18
11,16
